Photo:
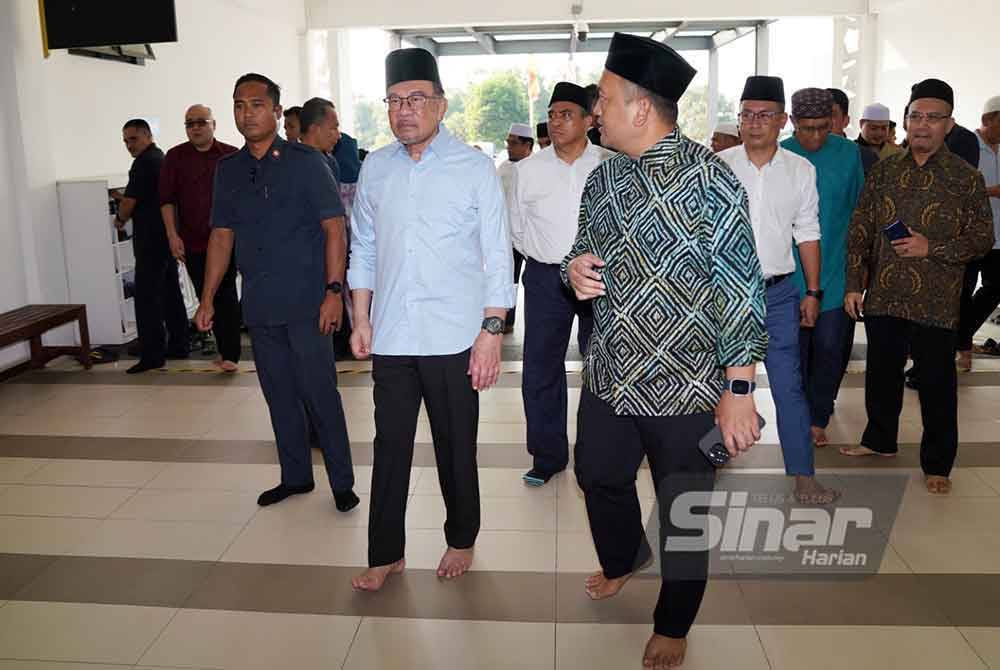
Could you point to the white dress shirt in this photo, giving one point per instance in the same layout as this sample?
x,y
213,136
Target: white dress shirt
x,y
545,202
784,205
506,174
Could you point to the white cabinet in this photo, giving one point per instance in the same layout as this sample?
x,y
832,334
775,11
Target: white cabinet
x,y
100,261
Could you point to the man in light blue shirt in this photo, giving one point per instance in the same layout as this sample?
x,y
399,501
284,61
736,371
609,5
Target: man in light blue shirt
x,y
430,258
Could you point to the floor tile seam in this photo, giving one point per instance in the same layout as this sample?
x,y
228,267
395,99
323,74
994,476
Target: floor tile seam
x,y
961,631
149,647
237,536
354,639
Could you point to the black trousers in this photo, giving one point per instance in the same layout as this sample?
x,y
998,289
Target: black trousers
x,y
441,382
933,351
296,367
159,303
226,327
609,451
978,305
518,261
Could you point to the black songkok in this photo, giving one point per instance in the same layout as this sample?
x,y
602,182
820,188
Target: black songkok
x,y
650,64
761,87
565,91
410,65
933,88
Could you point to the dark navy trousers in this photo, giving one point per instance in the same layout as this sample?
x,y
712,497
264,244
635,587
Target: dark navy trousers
x,y
549,309
296,368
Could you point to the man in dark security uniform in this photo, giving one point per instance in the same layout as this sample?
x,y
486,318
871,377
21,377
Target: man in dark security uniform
x,y
278,203
158,299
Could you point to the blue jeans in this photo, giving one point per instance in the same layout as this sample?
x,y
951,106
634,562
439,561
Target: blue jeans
x,y
549,310
784,374
822,350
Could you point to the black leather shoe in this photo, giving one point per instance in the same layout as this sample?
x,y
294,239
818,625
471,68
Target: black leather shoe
x,y
144,366
345,500
280,492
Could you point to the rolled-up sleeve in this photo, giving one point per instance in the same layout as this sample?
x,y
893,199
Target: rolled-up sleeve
x,y
514,211
168,179
494,240
737,281
361,270
805,228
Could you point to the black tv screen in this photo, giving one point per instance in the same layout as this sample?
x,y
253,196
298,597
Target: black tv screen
x,y
73,24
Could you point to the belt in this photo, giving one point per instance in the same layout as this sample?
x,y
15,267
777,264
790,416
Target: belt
x,y
776,279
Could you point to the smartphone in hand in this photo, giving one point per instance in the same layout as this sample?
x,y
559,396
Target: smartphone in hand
x,y
896,230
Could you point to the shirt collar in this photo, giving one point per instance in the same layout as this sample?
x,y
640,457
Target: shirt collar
x,y
274,152
777,159
662,150
440,145
936,156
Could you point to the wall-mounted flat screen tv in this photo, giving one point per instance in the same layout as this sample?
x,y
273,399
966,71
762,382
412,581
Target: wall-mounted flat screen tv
x,y
75,24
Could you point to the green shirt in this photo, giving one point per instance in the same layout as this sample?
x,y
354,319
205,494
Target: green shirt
x,y
839,180
685,293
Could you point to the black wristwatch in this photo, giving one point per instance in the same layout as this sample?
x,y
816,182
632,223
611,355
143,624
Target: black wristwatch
x,y
818,293
335,287
740,386
493,325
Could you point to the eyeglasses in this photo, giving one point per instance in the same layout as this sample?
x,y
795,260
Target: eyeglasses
x,y
931,117
416,102
196,123
749,117
562,115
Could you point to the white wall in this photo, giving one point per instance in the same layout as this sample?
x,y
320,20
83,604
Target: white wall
x,y
396,13
68,111
918,39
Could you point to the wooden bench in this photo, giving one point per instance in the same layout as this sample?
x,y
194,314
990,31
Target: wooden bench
x,y
28,323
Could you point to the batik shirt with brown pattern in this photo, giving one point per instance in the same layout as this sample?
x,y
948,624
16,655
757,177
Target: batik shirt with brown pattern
x,y
944,200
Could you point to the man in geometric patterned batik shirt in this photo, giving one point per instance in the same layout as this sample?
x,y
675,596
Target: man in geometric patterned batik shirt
x,y
909,287
665,251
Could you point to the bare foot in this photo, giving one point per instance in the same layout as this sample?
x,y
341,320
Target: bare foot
x,y
938,485
808,491
229,366
599,587
819,436
864,451
664,652
372,579
964,363
455,563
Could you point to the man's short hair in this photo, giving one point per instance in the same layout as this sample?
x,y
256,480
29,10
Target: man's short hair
x,y
273,90
841,100
592,93
138,124
313,111
295,111
665,109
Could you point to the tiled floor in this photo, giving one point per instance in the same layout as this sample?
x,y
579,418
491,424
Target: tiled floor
x,y
130,538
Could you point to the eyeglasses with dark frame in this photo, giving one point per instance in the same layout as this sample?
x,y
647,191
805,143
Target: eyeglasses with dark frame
x,y
931,117
748,116
416,102
196,123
